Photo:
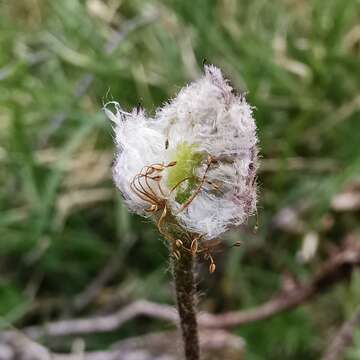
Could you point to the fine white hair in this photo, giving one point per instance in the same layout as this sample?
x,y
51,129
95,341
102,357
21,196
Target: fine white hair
x,y
214,122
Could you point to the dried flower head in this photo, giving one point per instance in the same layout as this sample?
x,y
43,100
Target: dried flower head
x,y
195,160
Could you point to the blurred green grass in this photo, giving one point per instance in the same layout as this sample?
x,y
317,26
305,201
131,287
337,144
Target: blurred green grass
x,y
61,218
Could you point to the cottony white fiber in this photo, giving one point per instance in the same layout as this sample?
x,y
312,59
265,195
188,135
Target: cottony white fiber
x,y
211,135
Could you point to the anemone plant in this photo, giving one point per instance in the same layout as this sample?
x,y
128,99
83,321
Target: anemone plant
x,y
191,169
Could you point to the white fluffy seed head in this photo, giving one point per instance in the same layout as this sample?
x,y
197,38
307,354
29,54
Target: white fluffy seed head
x,y
211,135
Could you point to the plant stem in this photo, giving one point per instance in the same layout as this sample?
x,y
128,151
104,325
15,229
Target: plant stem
x,y
185,295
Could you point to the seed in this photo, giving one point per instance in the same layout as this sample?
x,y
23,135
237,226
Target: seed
x,y
171,163
177,254
212,268
179,243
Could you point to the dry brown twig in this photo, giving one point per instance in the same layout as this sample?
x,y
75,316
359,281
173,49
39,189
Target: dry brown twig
x,y
338,267
343,338
20,344
103,323
332,272
154,346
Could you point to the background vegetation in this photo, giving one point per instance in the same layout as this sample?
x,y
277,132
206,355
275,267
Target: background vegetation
x,y
62,221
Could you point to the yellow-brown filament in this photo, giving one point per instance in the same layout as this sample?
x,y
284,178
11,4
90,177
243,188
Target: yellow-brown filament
x,y
139,186
157,167
142,195
197,190
161,220
141,190
156,178
178,184
161,190
194,247
146,180
151,170
152,208
142,187
149,188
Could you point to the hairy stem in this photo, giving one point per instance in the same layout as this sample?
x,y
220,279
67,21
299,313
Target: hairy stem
x,y
185,294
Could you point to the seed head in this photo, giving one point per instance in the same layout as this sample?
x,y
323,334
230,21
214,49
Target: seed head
x,y
196,158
